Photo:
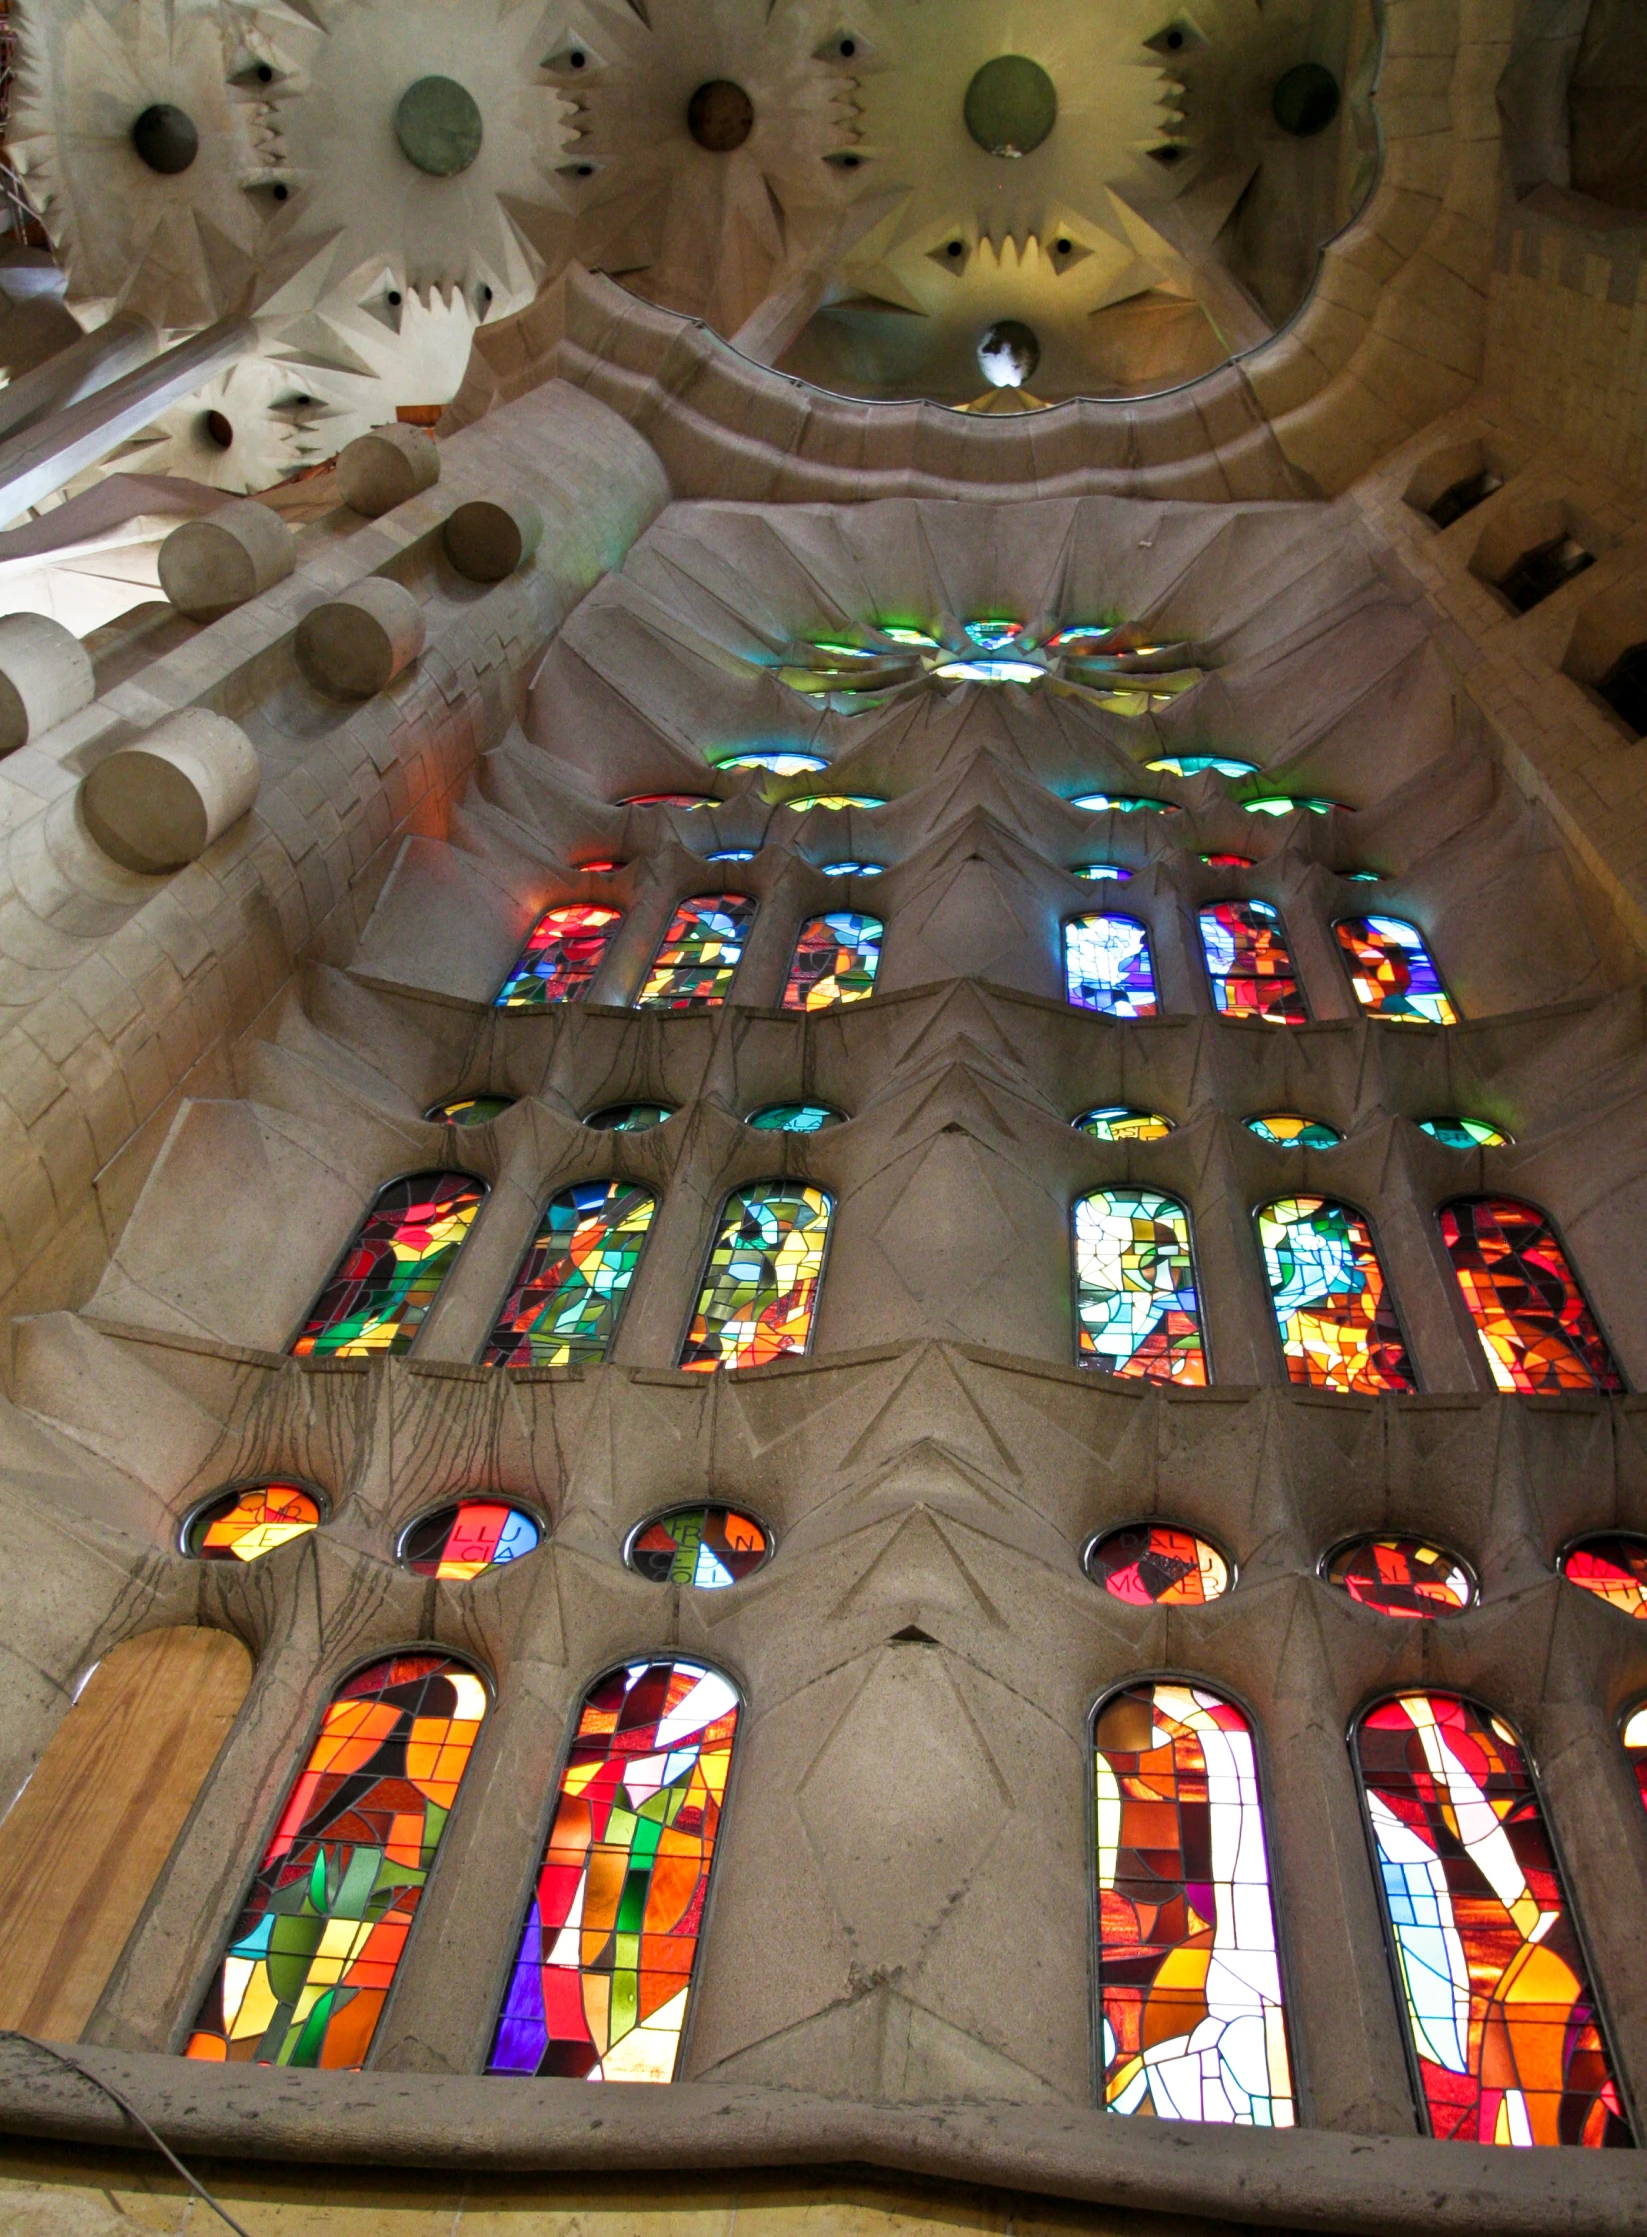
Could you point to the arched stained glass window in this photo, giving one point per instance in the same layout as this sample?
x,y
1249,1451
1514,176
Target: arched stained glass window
x,y
836,958
391,1273
1136,1311
564,1307
313,1955
695,966
1502,2024
1391,971
601,1978
760,1288
1249,963
1535,1328
1107,966
563,951
1332,1304
1189,1975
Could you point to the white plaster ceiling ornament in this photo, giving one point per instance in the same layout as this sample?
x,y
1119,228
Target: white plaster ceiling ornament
x,y
253,426
715,156
371,343
171,232
423,135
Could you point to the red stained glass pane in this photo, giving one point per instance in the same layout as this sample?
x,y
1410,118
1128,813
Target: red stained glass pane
x,y
1152,1565
1613,1565
562,954
376,1302
836,958
1503,2026
1535,1328
1249,963
1401,1577
243,1525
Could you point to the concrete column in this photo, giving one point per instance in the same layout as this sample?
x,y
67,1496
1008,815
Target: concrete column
x,y
1440,1340
92,363
1237,1319
35,463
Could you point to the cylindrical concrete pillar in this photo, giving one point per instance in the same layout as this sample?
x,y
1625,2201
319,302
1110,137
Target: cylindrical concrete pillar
x,y
211,565
89,363
160,803
354,646
45,676
489,537
379,471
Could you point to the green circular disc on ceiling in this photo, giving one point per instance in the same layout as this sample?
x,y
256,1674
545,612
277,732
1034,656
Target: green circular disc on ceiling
x,y
438,126
1011,105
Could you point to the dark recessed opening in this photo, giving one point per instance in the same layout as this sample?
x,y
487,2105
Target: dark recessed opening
x,y
281,192
1624,687
393,299
1175,40
585,170
849,48
265,75
485,292
576,58
720,116
956,248
166,139
1305,100
849,162
1064,246
1544,569
217,428
1462,497
1167,153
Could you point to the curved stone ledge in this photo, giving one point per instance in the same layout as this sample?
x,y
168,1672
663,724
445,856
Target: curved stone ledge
x,y
1304,2178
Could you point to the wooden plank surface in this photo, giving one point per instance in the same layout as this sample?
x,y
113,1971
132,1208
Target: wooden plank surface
x,y
85,1840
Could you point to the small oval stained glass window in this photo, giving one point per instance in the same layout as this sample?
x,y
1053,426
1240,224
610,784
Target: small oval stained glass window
x,y
629,1118
668,800
1121,803
1113,1122
470,1110
1613,1565
710,1547
1466,1134
1096,873
1152,1565
1400,1577
795,1118
1287,1130
246,1524
458,1542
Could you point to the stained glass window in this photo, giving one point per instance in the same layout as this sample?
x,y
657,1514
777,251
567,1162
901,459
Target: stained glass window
x,y
314,1952
1613,1565
731,854
458,1542
760,1288
1465,1133
1097,873
600,868
1282,804
1113,1122
629,1118
852,869
836,958
391,1273
1152,1565
601,1978
1501,2020
695,966
1287,1130
669,800
563,951
1189,1976
1107,966
564,1307
777,763
244,1525
1228,861
1535,1328
1391,971
1192,765
470,1110
795,1118
1250,964
1136,1311
806,800
1121,803
709,1547
1400,1577
1332,1306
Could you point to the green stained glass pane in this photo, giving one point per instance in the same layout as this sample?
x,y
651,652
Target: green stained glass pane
x,y
564,1308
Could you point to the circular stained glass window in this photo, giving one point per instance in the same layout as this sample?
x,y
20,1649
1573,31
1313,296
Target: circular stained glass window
x,y
795,1118
1400,1576
470,1110
1613,1565
1465,1133
710,1547
458,1542
1288,1130
1114,1122
1152,1565
246,1524
629,1118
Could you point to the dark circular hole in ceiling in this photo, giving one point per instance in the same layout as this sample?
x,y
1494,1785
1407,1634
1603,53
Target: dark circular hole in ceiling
x,y
1305,100
1011,106
218,428
720,116
166,139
